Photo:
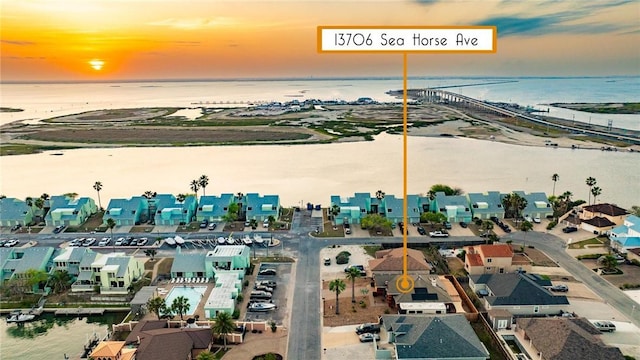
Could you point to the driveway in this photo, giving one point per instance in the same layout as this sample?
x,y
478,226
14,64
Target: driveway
x,y
280,294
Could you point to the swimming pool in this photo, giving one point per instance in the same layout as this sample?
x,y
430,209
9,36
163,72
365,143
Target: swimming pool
x,y
193,294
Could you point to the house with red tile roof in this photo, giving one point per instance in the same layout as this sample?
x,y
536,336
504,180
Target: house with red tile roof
x,y
494,259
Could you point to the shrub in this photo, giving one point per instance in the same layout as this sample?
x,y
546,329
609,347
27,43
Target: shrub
x,y
342,259
345,253
273,326
551,224
479,222
236,313
246,283
240,298
363,304
589,256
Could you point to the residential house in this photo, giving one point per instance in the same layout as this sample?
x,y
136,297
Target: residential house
x,y
627,235
433,337
214,208
394,209
113,273
112,350
613,213
390,261
169,211
15,263
634,254
560,338
493,259
154,343
126,212
486,205
223,296
15,212
597,225
68,211
353,209
519,293
261,207
69,259
455,207
431,294
537,205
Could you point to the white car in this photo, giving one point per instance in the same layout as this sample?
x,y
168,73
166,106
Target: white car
x,y
536,220
104,241
528,218
265,224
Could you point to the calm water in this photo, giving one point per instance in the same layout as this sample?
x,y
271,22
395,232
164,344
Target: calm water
x,y
311,173
51,337
42,101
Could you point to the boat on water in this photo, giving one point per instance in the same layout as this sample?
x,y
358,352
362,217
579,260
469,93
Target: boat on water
x,y
221,240
170,241
179,240
258,239
246,240
20,317
261,306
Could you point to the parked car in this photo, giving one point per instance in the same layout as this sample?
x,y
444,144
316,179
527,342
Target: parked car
x,y
270,283
120,241
76,242
265,223
559,288
204,224
569,229
104,241
368,337
16,227
267,272
142,241
463,224
421,230
605,326
347,228
259,294
359,267
368,328
327,261
447,225
89,242
263,288
11,243
213,226
537,220
58,229
528,218
434,234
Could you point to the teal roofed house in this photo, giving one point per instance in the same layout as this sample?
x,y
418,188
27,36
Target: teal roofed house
x,y
169,211
214,208
393,208
15,212
537,204
16,262
189,265
626,236
352,209
261,207
455,207
68,211
486,205
126,212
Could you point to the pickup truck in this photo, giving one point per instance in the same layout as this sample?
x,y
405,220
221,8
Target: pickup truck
x,y
438,234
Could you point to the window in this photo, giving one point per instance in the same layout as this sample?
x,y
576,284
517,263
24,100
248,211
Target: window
x,y
501,271
225,209
466,209
499,205
250,208
489,260
389,210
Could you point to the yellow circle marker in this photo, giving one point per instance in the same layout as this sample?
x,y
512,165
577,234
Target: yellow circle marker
x,y
405,284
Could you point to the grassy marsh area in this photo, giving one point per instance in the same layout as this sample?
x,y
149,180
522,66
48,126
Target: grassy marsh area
x,y
602,108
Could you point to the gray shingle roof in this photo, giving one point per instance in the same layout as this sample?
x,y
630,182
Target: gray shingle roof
x,y
518,289
188,263
442,337
13,209
122,262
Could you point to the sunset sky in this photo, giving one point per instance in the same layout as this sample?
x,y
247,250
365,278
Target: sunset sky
x,y
89,40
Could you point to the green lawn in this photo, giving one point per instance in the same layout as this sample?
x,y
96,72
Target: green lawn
x,y
581,244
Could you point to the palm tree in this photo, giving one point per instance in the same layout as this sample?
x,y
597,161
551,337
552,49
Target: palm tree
x,y
555,178
337,286
525,227
224,325
149,195
98,186
271,220
380,194
181,198
156,305
60,281
29,201
180,306
487,226
111,224
352,275
45,196
595,191
203,181
609,262
71,195
151,253
194,186
334,211
590,182
205,355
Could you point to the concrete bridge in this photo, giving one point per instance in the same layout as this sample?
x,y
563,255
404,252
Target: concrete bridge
x,y
441,96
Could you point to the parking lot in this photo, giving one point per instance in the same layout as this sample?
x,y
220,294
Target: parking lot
x,y
283,281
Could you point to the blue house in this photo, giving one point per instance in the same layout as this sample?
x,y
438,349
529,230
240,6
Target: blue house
x,y
126,212
352,209
454,207
213,208
16,262
537,204
394,207
68,211
15,212
626,236
261,207
170,211
486,205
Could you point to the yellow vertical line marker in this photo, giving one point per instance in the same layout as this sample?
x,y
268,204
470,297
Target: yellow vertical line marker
x,y
404,167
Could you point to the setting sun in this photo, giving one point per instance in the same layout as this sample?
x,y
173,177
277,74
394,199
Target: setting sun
x,y
96,64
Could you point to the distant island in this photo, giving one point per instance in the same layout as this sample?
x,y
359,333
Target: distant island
x,y
8,109
602,108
